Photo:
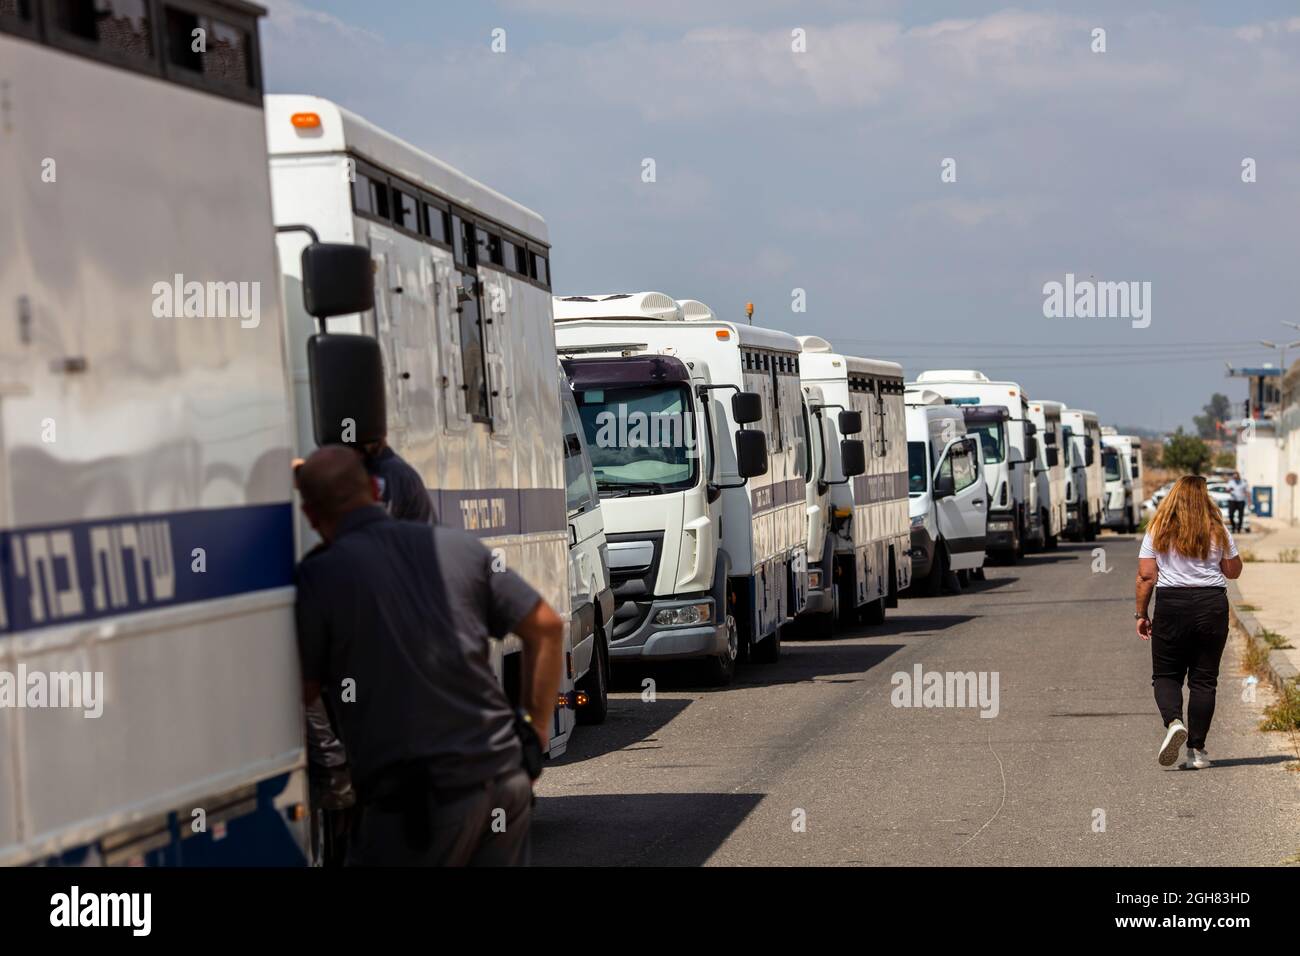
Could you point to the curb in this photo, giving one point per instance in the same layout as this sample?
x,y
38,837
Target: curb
x,y
1280,670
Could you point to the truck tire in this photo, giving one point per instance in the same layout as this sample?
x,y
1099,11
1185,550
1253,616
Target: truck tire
x,y
1050,541
932,585
1086,532
719,671
596,683
821,627
873,612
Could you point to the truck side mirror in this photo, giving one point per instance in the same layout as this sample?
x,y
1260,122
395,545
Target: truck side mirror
x,y
347,389
944,486
1031,452
850,423
337,279
853,456
747,407
1053,457
1087,452
751,453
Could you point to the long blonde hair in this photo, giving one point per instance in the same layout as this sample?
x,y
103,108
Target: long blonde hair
x,y
1188,521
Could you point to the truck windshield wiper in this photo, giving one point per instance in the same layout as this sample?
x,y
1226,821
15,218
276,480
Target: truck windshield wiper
x,y
629,487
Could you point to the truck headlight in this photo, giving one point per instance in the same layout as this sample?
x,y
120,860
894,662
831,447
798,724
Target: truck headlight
x,y
684,616
918,522
814,579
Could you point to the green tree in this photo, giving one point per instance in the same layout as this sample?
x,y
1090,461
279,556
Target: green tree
x,y
1185,452
1215,413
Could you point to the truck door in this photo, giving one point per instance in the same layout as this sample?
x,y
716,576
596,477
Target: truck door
x,y
962,515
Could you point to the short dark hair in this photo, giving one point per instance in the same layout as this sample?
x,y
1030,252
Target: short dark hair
x,y
332,480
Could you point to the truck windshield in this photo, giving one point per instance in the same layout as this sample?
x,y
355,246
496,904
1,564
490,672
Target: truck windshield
x,y
1110,461
641,439
918,478
991,437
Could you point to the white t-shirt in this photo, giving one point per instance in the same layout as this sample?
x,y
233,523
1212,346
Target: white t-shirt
x,y
1237,489
1175,570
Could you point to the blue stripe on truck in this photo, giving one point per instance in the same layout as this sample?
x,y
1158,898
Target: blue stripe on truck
x,y
81,571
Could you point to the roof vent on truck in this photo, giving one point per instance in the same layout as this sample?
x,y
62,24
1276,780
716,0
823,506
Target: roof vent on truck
x,y
693,310
814,343
654,306
922,396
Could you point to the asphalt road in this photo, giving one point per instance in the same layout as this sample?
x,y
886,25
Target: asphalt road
x,y
725,777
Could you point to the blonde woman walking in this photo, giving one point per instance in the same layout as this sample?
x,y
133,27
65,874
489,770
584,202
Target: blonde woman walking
x,y
1187,558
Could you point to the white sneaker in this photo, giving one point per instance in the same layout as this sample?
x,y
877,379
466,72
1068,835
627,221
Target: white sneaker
x,y
1174,738
1196,759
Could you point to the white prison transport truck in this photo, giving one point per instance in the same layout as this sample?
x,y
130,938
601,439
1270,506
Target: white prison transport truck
x,y
146,432
869,524
462,315
704,518
1050,469
1085,484
1121,465
947,497
999,413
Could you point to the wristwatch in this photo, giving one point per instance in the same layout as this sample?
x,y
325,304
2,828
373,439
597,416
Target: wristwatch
x,y
1140,617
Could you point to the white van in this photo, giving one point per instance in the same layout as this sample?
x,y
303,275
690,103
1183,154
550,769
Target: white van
x,y
947,497
1085,487
999,413
1049,469
869,524
706,519
462,316
1121,465
590,594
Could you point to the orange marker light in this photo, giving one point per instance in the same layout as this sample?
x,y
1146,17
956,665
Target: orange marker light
x,y
722,335
305,120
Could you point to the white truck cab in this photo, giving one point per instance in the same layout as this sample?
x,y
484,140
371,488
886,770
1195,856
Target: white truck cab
x,y
862,407
999,413
706,518
1050,469
1121,465
947,496
1085,488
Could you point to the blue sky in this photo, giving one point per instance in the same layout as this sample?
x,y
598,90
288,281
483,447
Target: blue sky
x,y
820,170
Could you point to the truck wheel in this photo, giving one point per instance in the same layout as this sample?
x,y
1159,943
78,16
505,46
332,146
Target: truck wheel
x,y
1086,532
873,612
933,584
977,574
821,627
1049,540
596,683
719,671
768,650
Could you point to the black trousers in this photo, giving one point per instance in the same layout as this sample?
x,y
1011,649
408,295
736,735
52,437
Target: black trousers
x,y
1188,633
1236,514
485,825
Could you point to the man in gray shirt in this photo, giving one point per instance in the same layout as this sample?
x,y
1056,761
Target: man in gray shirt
x,y
394,620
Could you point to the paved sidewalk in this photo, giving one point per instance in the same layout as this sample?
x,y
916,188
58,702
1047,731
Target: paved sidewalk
x,y
1268,591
